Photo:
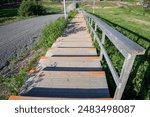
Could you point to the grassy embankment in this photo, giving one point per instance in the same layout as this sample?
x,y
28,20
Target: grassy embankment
x,y
134,22
53,7
11,86
10,14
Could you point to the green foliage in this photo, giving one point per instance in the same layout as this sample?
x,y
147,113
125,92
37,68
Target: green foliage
x,y
11,14
53,7
54,3
32,64
71,14
31,7
54,10
14,83
7,14
52,31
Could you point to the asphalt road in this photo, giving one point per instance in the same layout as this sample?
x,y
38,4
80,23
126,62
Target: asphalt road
x,y
21,35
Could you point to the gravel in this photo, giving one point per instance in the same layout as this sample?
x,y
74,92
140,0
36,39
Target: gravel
x,y
20,36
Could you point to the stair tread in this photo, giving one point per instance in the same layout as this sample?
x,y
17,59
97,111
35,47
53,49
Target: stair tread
x,y
71,52
94,58
74,40
81,64
73,44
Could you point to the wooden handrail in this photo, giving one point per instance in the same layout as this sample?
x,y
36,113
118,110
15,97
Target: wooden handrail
x,y
128,48
124,44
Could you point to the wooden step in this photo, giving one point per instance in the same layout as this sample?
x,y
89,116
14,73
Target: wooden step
x,y
72,79
68,84
71,52
73,45
85,63
40,98
74,40
82,59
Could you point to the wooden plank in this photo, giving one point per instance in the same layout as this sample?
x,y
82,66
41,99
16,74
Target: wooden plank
x,y
73,44
71,58
67,84
87,64
74,40
71,52
77,80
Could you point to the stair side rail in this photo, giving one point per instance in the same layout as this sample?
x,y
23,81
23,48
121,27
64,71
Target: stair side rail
x,y
128,48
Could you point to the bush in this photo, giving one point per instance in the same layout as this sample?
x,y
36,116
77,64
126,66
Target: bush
x,y
31,7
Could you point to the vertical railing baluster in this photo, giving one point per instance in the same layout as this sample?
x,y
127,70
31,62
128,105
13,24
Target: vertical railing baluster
x,y
91,23
125,72
102,41
95,27
95,30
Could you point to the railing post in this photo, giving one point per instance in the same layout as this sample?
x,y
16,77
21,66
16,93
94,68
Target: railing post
x,y
91,23
125,72
102,41
95,29
89,19
65,11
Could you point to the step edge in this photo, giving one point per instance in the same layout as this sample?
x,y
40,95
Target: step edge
x,y
45,98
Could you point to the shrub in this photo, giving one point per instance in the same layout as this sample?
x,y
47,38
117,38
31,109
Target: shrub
x,y
31,7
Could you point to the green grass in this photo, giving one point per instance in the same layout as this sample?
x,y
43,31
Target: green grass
x,y
53,7
52,31
133,22
8,14
51,3
105,4
129,18
53,10
12,85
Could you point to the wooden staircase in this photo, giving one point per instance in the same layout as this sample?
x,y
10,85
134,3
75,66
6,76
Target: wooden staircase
x,y
70,69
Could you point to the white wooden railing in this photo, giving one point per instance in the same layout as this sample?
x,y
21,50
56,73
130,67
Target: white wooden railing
x,y
127,48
